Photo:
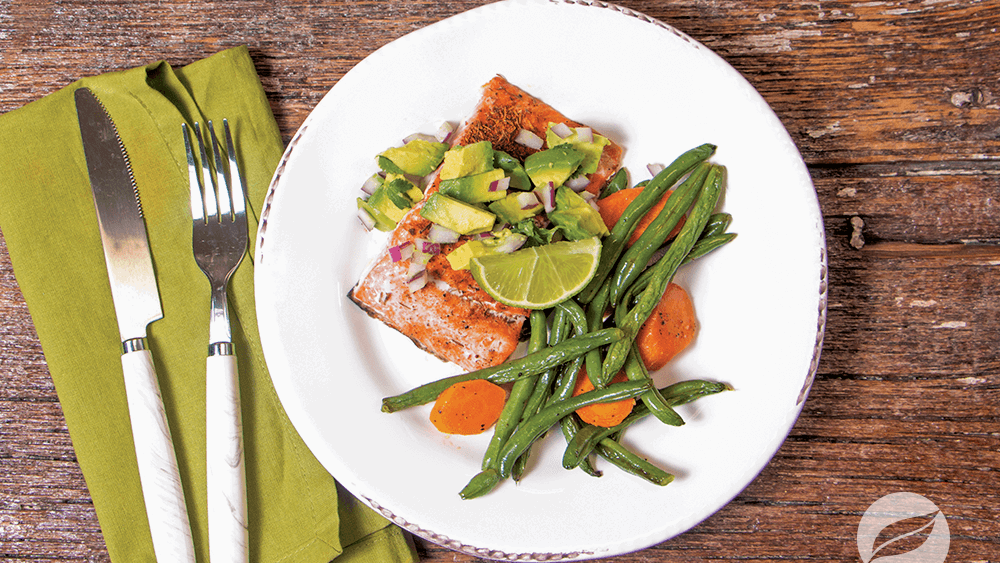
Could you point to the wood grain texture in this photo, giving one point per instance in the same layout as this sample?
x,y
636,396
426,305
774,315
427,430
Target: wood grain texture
x,y
895,106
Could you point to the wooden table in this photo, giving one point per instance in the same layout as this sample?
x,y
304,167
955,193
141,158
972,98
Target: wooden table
x,y
895,106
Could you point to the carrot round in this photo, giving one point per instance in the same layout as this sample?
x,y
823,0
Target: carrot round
x,y
612,207
668,330
468,407
602,414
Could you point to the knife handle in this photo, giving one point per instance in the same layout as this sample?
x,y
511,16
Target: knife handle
x,y
154,451
227,509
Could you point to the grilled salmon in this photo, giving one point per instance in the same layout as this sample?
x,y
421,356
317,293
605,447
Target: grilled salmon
x,y
451,317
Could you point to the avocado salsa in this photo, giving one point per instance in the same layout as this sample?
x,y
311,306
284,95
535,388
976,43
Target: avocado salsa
x,y
496,201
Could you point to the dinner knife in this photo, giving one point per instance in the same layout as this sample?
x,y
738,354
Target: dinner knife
x,y
137,304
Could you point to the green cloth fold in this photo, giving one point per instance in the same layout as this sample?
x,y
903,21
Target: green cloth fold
x,y
48,219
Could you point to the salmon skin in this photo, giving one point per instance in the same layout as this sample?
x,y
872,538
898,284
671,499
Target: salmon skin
x,y
451,317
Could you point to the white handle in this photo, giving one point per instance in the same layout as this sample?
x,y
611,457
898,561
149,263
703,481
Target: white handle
x,y
227,509
154,451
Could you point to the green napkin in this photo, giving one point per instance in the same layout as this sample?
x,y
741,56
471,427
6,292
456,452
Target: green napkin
x,y
296,512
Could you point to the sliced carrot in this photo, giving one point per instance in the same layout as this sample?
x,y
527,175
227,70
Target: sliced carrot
x,y
468,407
668,330
612,207
602,414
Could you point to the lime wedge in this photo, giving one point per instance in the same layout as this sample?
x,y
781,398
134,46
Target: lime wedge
x,y
540,276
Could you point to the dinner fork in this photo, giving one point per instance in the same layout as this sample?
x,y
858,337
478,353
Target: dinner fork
x,y
219,240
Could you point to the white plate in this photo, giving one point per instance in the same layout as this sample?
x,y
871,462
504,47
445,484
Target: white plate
x,y
761,301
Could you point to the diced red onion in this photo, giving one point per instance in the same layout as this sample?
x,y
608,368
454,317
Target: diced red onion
x,y
441,234
414,269
585,134
655,168
587,196
527,200
500,185
593,203
511,243
562,130
370,184
424,136
401,251
482,236
578,184
427,246
418,281
444,132
529,139
366,219
547,195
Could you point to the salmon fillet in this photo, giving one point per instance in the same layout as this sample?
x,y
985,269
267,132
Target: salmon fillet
x,y
451,317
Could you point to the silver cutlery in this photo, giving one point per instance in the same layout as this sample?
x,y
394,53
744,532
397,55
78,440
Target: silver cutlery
x,y
219,241
137,304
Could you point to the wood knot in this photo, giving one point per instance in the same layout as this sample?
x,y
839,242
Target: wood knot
x,y
857,238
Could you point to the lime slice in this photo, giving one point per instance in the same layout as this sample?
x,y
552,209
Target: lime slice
x,y
540,276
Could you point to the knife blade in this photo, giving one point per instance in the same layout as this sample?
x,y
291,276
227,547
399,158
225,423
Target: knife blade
x,y
137,304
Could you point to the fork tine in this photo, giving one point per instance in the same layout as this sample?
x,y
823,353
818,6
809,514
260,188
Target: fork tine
x,y
197,203
237,191
221,177
208,186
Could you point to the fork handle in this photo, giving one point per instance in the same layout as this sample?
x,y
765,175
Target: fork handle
x,y
154,451
227,509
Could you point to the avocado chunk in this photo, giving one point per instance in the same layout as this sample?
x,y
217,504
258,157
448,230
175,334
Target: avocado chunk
x,y
477,188
467,160
382,222
554,165
575,217
461,217
512,167
418,157
394,197
592,149
516,207
459,258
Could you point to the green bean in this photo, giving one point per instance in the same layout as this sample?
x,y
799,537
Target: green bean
x,y
615,242
567,378
637,256
506,372
521,463
561,323
564,387
482,483
543,388
708,244
527,432
584,441
618,182
632,463
570,426
522,389
664,271
635,370
717,224
587,438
